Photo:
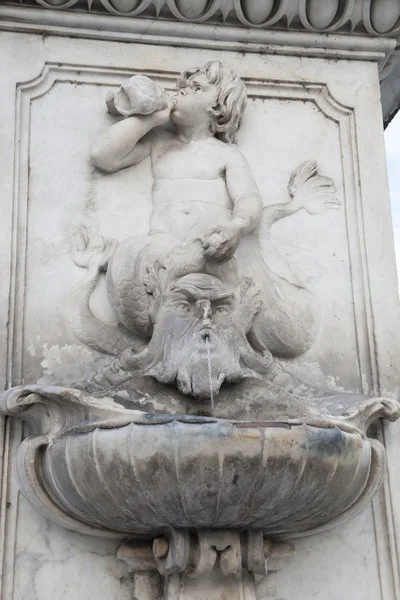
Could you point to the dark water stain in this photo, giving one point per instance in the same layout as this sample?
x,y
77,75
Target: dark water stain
x,y
325,443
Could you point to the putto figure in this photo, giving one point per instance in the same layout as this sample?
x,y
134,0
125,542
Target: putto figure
x,y
200,177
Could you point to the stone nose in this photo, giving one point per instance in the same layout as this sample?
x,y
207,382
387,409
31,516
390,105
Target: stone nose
x,y
206,313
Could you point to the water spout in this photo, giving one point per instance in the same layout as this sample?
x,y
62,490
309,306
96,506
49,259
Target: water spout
x,y
209,374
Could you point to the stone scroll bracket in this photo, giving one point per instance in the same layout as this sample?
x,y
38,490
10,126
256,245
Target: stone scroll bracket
x,y
187,564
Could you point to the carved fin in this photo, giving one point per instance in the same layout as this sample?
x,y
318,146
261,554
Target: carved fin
x,y
303,173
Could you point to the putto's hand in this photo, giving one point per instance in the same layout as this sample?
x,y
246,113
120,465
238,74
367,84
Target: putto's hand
x,y
162,116
311,191
221,242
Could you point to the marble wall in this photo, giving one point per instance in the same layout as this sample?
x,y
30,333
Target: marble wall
x,y
299,107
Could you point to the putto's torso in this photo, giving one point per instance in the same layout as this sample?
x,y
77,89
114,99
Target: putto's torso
x,y
186,207
189,188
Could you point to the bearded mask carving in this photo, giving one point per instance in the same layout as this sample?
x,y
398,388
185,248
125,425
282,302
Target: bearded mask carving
x,y
191,316
173,312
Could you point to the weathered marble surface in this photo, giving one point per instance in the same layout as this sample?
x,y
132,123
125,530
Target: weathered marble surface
x,y
297,129
51,562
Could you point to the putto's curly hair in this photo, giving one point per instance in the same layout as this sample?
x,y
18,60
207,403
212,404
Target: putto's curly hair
x,y
231,97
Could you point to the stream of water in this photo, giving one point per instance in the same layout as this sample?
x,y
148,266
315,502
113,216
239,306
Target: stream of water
x,y
210,376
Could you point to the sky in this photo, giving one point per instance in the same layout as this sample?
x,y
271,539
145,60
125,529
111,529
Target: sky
x,y
392,137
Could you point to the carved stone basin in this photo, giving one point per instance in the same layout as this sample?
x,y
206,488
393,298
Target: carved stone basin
x,y
142,478
97,467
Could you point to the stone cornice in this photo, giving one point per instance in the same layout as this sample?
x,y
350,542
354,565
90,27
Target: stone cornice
x,y
367,17
194,35
353,29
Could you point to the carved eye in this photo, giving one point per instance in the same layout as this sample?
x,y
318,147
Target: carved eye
x,y
221,310
184,308
197,89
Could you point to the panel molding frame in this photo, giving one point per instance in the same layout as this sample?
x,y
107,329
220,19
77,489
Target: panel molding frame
x,y
342,115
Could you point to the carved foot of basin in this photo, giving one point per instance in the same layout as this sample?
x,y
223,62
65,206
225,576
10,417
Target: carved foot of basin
x,y
202,564
96,467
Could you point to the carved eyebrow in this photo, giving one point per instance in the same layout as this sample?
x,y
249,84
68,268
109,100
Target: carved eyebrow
x,y
196,294
225,296
184,291
195,82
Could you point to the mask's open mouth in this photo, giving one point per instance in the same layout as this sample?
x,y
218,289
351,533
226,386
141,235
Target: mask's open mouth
x,y
207,334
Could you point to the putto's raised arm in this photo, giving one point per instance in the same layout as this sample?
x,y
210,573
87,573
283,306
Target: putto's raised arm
x,y
128,142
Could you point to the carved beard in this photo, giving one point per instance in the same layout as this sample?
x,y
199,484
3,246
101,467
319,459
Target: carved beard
x,y
183,358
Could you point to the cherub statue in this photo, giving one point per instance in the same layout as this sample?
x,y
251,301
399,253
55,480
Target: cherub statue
x,y
207,210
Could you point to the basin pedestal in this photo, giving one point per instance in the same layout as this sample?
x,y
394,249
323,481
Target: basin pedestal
x,y
203,565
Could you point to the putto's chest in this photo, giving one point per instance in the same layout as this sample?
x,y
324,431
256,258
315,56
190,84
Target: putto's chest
x,y
197,160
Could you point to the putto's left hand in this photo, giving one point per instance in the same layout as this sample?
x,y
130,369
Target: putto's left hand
x,y
220,242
